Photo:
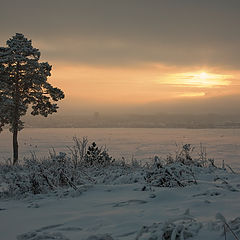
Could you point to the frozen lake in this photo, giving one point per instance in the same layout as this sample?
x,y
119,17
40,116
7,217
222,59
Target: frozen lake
x,y
140,143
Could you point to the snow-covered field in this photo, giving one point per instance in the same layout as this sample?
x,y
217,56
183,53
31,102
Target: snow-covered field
x,y
120,212
126,142
121,203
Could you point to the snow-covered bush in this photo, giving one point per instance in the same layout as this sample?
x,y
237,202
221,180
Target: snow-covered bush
x,y
41,176
57,171
178,171
185,226
170,175
179,228
184,155
90,164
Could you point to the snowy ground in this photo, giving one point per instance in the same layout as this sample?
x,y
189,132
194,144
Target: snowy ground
x,y
126,142
119,211
116,207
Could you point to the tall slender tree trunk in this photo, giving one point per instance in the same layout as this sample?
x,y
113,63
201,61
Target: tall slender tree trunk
x,y
16,118
15,146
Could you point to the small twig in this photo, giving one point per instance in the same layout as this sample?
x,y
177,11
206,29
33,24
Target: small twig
x,y
89,178
224,221
47,180
218,178
70,182
230,168
235,236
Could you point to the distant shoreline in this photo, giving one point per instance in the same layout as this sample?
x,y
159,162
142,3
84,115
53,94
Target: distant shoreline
x,y
204,121
124,127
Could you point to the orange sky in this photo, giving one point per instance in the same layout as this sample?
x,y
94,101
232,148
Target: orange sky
x,y
143,83
135,55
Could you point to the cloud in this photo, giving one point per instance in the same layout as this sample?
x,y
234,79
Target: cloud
x,y
129,32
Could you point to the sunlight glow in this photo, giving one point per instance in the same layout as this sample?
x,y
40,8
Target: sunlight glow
x,y
199,79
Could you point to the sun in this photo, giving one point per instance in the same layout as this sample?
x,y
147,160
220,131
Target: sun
x,y
203,75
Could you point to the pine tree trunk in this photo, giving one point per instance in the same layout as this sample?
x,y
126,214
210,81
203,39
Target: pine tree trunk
x,y
16,118
15,146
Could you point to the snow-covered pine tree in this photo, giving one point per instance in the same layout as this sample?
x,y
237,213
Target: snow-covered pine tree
x,y
23,82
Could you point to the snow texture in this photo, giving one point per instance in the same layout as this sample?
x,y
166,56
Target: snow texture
x,y
118,201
